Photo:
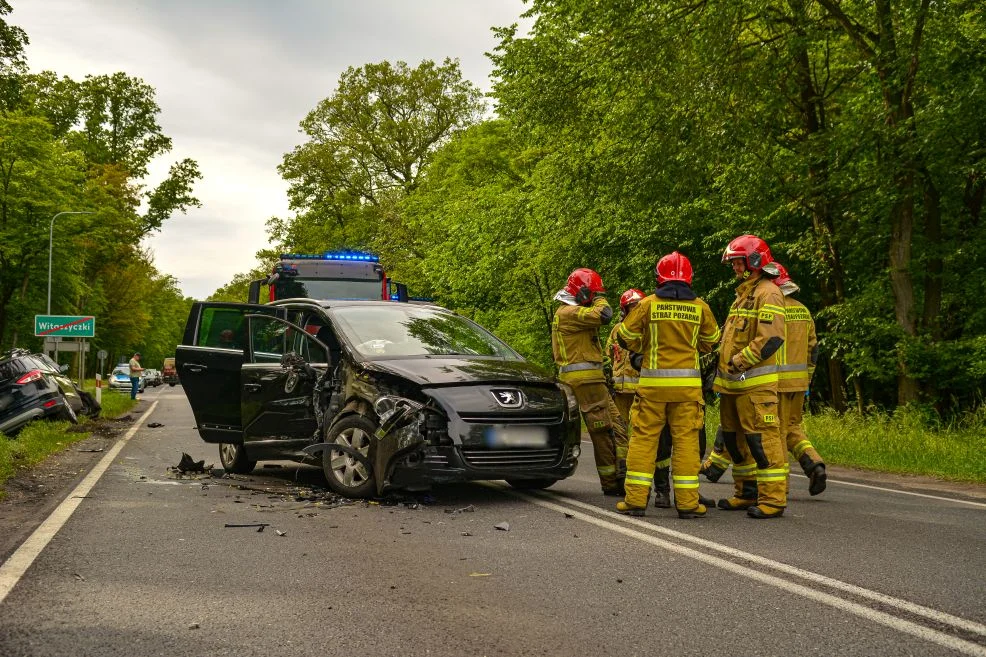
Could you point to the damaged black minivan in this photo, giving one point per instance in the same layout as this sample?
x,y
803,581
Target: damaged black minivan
x,y
385,395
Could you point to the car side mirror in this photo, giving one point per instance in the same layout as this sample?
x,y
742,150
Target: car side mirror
x,y
63,368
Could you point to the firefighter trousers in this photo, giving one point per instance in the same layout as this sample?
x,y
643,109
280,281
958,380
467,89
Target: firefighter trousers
x,y
647,420
662,469
606,429
793,432
751,432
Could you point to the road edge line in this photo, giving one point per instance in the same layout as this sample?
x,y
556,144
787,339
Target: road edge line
x,y
17,564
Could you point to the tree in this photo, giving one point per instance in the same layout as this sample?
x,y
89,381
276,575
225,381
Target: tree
x,y
367,145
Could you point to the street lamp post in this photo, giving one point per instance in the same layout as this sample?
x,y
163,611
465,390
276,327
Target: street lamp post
x,y
51,232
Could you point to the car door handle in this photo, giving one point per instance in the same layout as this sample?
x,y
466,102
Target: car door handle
x,y
194,367
252,387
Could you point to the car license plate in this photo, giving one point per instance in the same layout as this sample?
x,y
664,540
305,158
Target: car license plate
x,y
512,437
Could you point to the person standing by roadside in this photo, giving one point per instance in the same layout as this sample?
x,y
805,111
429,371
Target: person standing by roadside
x,y
668,329
746,381
135,370
577,352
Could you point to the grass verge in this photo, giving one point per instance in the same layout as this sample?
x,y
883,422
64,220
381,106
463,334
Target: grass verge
x,y
903,442
41,438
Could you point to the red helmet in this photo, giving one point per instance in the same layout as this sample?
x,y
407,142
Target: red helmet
x,y
753,250
673,267
583,284
629,298
782,276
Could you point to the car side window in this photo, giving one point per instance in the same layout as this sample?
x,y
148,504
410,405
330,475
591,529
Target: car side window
x,y
221,328
268,339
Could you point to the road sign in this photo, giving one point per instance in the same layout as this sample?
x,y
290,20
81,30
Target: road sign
x,y
72,326
101,354
65,346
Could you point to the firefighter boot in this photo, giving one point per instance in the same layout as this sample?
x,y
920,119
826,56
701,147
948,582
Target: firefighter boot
x,y
616,490
718,462
662,488
746,498
697,512
764,512
627,510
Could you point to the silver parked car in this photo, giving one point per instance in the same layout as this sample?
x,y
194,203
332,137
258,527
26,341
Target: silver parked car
x,y
119,379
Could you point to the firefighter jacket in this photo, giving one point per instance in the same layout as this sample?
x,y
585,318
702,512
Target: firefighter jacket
x,y
797,356
625,376
670,333
751,337
575,341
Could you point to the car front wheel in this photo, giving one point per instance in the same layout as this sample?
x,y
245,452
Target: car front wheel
x,y
234,459
344,473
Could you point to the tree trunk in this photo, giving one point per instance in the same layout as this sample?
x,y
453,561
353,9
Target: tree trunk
x,y
934,267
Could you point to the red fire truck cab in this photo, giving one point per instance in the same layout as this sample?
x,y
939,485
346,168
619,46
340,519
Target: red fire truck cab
x,y
329,275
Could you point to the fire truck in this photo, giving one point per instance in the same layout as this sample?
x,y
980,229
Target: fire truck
x,y
329,275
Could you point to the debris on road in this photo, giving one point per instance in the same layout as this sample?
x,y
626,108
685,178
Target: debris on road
x,y
465,509
154,425
466,533
186,464
193,626
569,515
480,574
78,577
503,526
280,533
97,449
260,525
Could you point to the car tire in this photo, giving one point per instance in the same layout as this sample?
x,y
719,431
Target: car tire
x,y
343,473
172,385
234,459
532,484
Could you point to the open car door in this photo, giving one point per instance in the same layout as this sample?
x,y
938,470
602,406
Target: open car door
x,y
280,381
209,362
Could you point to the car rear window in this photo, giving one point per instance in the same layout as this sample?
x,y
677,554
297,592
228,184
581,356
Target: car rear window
x,y
13,368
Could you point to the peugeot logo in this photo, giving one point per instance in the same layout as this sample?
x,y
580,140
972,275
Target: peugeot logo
x,y
508,398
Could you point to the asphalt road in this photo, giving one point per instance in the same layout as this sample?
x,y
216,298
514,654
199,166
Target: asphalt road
x,y
146,566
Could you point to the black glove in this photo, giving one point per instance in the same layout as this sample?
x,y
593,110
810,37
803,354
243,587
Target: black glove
x,y
636,360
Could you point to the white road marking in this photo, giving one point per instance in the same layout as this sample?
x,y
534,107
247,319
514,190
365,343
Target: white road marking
x,y
900,492
904,605
14,568
883,618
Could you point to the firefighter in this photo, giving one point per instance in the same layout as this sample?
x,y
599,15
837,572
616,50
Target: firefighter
x,y
668,329
578,354
746,381
796,364
623,379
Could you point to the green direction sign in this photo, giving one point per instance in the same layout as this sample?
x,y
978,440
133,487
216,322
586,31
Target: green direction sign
x,y
66,326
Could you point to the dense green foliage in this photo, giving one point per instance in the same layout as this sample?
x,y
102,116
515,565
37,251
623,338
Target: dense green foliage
x,y
847,133
84,146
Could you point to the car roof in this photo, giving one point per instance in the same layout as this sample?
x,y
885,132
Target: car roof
x,y
346,303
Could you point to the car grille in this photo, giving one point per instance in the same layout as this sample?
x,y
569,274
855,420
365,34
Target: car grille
x,y
512,458
483,418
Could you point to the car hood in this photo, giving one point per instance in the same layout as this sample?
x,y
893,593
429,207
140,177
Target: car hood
x,y
456,370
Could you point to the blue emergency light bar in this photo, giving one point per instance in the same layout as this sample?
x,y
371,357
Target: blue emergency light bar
x,y
328,255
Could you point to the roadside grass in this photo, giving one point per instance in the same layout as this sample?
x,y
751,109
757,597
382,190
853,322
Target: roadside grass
x,y
903,442
42,438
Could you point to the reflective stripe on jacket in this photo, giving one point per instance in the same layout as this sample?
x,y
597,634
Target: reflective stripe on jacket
x,y
670,333
797,356
575,340
751,338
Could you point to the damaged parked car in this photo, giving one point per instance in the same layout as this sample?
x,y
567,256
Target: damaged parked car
x,y
385,395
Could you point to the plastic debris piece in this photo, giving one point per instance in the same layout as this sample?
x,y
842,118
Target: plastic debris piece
x,y
193,626
619,581
480,574
280,533
261,525
467,533
98,449
503,526
569,515
154,425
186,464
465,509
78,577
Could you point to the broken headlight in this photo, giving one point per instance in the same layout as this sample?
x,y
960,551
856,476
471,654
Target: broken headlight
x,y
570,399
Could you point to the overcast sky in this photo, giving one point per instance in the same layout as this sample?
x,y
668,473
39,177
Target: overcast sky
x,y
233,79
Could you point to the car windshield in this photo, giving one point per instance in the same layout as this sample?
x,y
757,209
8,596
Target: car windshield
x,y
311,288
125,371
401,330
